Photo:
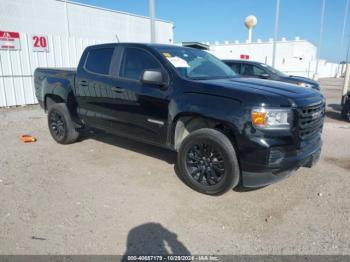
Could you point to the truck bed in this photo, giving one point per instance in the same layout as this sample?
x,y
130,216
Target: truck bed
x,y
53,81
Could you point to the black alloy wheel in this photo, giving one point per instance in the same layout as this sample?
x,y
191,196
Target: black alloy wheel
x,y
63,130
205,164
57,125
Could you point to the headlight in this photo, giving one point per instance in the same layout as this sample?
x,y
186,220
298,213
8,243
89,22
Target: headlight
x,y
302,84
270,118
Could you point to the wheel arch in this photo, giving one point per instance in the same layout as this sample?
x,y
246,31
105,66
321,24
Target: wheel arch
x,y
52,99
187,122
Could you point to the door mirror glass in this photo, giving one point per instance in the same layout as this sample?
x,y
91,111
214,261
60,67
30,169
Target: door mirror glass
x,y
153,77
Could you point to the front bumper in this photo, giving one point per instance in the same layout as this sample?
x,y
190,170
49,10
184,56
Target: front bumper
x,y
284,166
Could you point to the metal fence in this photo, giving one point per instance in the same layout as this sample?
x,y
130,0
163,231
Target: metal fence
x,y
17,66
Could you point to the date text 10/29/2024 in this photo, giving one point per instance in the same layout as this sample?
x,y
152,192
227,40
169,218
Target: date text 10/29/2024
x,y
173,258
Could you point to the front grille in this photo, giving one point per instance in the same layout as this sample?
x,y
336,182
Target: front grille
x,y
310,120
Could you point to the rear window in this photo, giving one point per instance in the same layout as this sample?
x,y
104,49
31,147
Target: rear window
x,y
99,60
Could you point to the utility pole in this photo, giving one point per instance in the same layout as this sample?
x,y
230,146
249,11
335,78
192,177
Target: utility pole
x,y
320,39
347,52
152,18
67,18
344,24
275,33
347,76
345,84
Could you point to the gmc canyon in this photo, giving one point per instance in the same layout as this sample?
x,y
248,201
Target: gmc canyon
x,y
227,130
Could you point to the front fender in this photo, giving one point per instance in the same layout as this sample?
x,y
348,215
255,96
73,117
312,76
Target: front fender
x,y
216,107
221,109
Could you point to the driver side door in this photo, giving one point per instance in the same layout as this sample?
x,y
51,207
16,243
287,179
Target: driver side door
x,y
141,109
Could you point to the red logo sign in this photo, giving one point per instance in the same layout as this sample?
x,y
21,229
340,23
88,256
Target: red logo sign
x,y
9,35
9,40
244,57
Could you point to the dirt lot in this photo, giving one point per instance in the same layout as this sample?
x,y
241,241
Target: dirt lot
x,y
108,195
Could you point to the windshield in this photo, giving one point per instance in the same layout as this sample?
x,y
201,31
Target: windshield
x,y
195,64
275,71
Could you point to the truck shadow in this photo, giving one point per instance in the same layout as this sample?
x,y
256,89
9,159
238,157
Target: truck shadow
x,y
139,147
334,112
153,239
145,149
335,107
334,115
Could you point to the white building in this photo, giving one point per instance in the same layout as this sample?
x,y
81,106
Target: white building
x,y
294,57
54,33
65,18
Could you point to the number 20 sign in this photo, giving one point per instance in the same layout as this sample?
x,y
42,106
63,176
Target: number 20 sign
x,y
40,43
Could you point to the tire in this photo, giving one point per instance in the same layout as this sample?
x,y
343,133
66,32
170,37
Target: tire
x,y
61,126
202,152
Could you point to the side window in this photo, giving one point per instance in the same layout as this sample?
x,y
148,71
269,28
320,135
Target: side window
x,y
99,60
251,70
236,68
135,61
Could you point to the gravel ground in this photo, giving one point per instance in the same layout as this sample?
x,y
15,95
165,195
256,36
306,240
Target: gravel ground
x,y
108,195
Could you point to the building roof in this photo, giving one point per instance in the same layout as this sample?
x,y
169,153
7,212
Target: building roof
x,y
196,45
111,10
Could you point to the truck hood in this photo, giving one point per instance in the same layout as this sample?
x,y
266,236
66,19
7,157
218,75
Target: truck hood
x,y
299,79
274,92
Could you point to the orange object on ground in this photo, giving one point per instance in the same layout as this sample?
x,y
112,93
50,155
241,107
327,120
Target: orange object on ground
x,y
28,138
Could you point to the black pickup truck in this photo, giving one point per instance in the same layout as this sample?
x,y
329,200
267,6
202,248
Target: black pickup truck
x,y
227,130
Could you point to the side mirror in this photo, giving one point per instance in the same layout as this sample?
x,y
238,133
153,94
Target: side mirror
x,y
152,77
265,76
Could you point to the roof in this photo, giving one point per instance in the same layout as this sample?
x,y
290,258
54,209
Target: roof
x,y
237,43
137,44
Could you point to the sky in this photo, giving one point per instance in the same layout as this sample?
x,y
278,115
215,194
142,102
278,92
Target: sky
x,y
221,20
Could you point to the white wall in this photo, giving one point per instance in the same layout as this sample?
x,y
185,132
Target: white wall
x,y
17,67
87,25
296,57
58,18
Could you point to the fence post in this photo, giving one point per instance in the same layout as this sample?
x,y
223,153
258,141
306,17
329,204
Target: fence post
x,y
11,76
21,75
30,67
3,82
346,83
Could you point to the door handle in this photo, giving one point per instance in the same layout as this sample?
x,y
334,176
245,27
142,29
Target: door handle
x,y
83,83
117,89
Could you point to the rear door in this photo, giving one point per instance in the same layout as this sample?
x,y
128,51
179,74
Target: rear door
x,y
94,87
